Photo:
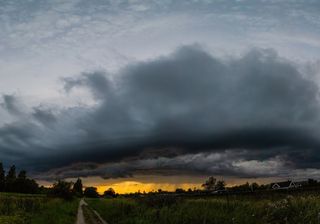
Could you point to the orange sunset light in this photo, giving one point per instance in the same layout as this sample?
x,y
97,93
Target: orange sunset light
x,y
135,186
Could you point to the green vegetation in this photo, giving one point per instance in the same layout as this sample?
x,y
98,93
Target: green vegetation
x,y
36,209
166,209
57,211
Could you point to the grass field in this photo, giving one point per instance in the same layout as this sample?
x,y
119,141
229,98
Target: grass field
x,y
298,209
36,209
302,208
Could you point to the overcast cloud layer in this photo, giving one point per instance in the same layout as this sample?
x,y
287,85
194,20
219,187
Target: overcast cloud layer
x,y
118,88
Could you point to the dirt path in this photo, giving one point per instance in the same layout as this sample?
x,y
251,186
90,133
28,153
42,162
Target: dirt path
x,y
80,216
93,217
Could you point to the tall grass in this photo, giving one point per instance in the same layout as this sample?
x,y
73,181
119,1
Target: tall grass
x,y
57,211
287,210
36,209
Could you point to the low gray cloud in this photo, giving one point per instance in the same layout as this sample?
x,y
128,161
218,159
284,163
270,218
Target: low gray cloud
x,y
189,102
11,104
96,81
44,116
234,163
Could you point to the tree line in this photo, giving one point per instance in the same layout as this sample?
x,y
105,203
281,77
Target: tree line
x,y
14,182
11,182
68,190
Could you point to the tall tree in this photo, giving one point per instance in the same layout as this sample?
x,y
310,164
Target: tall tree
x,y
110,193
220,185
210,184
11,179
2,178
12,173
22,175
62,189
77,188
21,182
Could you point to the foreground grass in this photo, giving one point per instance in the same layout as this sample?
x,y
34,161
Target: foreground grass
x,y
169,210
57,211
36,209
89,215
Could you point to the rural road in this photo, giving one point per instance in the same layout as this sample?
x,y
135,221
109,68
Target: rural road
x,y
80,215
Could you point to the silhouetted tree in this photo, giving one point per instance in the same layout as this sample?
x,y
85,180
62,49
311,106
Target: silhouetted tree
x,y
91,192
11,179
44,190
31,186
12,173
20,184
77,188
25,185
2,178
312,182
62,189
180,191
220,185
210,184
254,186
263,186
242,188
22,175
109,193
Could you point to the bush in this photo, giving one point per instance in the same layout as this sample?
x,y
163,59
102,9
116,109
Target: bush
x,y
109,193
91,192
62,189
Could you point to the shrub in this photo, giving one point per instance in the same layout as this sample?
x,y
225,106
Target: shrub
x,y
91,192
62,189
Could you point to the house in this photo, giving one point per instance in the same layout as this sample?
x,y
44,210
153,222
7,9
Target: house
x,y
283,185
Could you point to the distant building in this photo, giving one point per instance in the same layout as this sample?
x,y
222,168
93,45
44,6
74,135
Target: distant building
x,y
283,185
302,183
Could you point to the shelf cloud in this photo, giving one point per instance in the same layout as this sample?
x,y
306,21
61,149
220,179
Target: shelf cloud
x,y
187,111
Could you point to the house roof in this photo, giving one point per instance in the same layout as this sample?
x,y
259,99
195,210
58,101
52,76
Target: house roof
x,y
282,184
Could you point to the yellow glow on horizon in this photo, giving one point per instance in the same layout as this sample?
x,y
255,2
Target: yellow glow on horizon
x,y
149,183
135,186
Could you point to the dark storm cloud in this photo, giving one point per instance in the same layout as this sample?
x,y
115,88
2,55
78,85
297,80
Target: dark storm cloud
x,y
228,163
97,82
191,98
45,116
189,101
15,141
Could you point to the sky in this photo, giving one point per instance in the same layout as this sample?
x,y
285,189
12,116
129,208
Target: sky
x,y
139,94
